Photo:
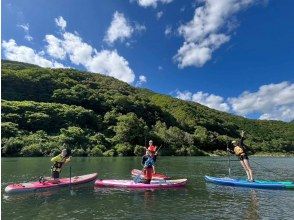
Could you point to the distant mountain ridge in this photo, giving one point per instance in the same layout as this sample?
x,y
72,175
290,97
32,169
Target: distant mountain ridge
x,y
97,115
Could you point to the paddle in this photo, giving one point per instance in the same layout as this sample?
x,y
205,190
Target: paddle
x,y
70,186
229,159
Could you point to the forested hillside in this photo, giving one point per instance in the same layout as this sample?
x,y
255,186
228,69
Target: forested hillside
x,y
96,115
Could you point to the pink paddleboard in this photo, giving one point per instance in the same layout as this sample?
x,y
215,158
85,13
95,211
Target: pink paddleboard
x,y
33,186
156,176
131,184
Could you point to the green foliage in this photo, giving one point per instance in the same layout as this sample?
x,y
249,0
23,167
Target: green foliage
x,y
96,115
109,153
130,129
124,149
139,150
9,129
31,151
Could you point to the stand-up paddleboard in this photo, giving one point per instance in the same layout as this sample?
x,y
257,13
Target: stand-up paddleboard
x,y
34,186
155,184
156,176
262,184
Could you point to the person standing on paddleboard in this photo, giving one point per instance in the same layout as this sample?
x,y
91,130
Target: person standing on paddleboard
x,y
240,151
148,162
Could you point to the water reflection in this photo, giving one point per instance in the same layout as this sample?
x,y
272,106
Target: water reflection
x,y
252,211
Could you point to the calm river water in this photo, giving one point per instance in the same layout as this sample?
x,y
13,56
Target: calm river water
x,y
198,200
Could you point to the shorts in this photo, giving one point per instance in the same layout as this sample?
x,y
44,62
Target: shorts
x,y
243,157
148,172
55,174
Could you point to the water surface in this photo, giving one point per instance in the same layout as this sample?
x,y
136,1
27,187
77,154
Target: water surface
x,y
198,200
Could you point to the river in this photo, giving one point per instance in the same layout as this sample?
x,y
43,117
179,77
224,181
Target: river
x,y
198,200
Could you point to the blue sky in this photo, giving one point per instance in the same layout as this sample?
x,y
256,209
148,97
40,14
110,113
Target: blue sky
x,y
231,55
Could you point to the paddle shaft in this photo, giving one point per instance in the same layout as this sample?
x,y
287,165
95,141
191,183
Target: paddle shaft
x,y
229,160
70,177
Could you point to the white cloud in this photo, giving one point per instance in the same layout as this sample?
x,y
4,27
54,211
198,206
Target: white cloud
x,y
168,30
205,32
142,79
26,54
55,47
106,62
193,54
112,64
79,52
152,3
209,100
271,102
159,15
60,22
119,29
26,28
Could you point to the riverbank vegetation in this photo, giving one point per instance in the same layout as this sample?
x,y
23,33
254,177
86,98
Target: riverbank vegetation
x,y
95,115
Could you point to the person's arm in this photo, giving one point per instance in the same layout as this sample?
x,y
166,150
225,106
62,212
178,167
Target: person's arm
x,y
67,160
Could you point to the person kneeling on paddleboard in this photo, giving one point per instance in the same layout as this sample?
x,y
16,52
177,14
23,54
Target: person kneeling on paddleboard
x,y
148,162
240,151
58,161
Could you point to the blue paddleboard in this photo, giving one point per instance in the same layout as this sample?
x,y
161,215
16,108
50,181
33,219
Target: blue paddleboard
x,y
262,184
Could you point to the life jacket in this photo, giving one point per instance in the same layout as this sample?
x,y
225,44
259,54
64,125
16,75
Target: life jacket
x,y
149,162
238,150
58,165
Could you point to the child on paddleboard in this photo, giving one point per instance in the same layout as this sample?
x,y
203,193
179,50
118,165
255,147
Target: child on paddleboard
x,y
58,161
240,151
148,162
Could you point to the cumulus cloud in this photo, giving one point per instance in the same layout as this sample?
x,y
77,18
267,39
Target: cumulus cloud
x,y
54,47
121,29
206,31
142,79
271,102
152,3
26,54
26,28
209,100
107,62
60,22
112,64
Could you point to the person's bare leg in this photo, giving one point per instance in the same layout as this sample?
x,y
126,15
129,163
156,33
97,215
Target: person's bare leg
x,y
245,168
247,164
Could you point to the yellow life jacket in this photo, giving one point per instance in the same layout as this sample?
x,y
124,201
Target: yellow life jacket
x,y
58,163
238,150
